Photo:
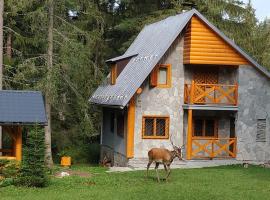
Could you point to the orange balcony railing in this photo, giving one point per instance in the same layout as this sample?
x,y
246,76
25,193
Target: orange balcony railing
x,y
211,94
203,147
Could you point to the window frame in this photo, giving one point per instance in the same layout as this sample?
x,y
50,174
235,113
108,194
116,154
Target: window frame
x,y
155,76
155,117
204,119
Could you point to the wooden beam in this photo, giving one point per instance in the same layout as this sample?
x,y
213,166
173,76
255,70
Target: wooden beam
x,y
130,128
18,144
189,135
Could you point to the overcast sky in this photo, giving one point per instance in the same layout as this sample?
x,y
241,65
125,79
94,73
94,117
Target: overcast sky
x,y
262,8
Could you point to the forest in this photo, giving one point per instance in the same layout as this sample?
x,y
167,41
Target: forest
x,y
60,48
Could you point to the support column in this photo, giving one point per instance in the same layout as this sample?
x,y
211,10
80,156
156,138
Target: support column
x,y
189,135
130,128
18,144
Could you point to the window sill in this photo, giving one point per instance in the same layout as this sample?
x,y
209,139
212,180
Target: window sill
x,y
156,137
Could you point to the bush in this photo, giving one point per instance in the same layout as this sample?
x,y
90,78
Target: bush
x,y
85,153
33,172
9,168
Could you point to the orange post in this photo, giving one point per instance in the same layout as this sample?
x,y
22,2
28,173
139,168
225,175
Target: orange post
x,y
18,144
130,128
192,91
189,135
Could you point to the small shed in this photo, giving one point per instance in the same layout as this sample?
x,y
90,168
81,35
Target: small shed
x,y
17,109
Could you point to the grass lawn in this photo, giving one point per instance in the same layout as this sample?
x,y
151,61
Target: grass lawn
x,y
232,182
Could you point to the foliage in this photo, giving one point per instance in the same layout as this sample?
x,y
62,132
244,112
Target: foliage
x,y
86,153
9,168
33,172
228,182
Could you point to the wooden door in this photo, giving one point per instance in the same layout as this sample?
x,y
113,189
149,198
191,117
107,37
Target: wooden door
x,y
202,77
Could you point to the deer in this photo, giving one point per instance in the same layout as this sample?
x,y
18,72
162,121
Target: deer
x,y
164,156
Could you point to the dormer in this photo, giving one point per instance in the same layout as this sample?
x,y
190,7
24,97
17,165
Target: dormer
x,y
117,65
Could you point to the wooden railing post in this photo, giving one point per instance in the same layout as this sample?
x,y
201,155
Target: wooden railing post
x,y
236,94
192,87
189,135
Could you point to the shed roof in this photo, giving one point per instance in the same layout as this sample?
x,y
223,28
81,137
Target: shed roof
x,y
147,49
22,107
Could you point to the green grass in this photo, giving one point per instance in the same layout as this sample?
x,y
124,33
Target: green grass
x,y
233,182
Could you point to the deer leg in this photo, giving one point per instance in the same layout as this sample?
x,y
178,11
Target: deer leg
x,y
168,172
156,168
148,165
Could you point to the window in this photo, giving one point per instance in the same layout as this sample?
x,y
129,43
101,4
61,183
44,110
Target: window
x,y
261,130
161,76
121,124
155,127
205,127
112,122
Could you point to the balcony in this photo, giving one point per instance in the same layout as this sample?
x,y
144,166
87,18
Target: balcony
x,y
203,147
211,94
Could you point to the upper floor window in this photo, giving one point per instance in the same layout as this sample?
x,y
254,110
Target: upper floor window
x,y
161,76
155,127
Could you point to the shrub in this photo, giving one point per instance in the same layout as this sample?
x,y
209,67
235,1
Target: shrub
x,y
85,153
33,172
9,168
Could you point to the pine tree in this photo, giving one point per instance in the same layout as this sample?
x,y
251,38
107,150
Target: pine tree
x,y
33,172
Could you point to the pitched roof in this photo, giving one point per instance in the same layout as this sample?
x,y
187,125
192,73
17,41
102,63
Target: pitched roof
x,y
147,49
22,107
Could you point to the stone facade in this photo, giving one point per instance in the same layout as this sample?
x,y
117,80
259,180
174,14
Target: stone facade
x,y
254,104
162,101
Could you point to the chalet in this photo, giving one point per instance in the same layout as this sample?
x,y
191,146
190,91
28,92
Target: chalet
x,y
183,80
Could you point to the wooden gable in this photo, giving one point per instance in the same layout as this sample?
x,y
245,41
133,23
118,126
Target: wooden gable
x,y
203,46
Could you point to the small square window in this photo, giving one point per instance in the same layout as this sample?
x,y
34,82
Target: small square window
x,y
161,76
155,127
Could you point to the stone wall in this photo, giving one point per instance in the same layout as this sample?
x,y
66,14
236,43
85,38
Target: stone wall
x,y
162,101
117,159
254,104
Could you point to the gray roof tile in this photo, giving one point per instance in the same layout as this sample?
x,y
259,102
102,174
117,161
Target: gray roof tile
x,y
22,107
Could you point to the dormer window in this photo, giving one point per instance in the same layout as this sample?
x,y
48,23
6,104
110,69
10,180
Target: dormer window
x,y
161,76
116,68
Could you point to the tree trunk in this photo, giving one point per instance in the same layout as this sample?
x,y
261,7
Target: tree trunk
x,y
1,56
48,128
9,46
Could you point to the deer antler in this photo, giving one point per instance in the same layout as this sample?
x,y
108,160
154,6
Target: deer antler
x,y
174,146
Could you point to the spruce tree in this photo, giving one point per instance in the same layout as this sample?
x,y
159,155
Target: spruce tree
x,y
33,173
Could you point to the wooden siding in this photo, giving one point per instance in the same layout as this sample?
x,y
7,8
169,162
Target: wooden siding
x,y
203,46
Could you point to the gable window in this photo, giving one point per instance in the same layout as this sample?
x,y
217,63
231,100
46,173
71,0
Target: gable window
x,y
261,130
161,76
155,127
205,127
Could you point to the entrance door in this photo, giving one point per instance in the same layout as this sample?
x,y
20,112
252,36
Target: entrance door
x,y
203,77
